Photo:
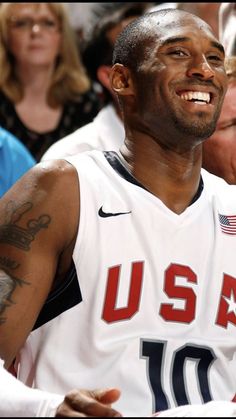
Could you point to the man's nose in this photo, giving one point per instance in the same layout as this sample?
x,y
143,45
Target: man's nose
x,y
201,68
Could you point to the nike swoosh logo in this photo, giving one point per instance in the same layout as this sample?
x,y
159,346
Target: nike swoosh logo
x,y
103,214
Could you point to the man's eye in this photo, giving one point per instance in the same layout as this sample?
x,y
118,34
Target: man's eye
x,y
215,58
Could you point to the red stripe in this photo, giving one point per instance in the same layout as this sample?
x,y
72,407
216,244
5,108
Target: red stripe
x,y
228,228
228,232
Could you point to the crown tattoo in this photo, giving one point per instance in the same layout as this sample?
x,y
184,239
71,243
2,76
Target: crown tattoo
x,y
18,236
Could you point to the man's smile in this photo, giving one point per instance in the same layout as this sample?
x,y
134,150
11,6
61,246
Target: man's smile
x,y
199,95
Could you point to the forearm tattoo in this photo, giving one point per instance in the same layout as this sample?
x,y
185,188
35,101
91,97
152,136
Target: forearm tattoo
x,y
21,237
11,233
7,286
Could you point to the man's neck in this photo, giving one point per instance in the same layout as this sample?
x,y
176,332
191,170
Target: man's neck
x,y
172,177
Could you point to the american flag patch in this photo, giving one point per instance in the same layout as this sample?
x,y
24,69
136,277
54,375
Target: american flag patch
x,y
228,224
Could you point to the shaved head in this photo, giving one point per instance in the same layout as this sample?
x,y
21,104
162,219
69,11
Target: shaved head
x,y
139,36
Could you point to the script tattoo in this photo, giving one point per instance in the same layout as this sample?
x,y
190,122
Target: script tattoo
x,y
20,237
7,286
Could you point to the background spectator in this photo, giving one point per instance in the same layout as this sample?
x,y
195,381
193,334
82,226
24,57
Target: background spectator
x,y
219,151
15,160
45,92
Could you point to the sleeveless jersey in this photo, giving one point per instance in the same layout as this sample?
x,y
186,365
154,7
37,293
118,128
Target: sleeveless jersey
x,y
153,308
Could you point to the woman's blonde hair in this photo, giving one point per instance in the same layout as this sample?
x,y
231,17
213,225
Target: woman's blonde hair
x,y
69,79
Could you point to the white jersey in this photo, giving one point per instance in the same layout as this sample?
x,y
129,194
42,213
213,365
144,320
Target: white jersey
x,y
155,313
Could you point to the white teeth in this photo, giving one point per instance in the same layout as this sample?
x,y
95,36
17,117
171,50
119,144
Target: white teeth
x,y
201,96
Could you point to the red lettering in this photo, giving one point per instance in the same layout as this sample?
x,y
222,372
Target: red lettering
x,y
110,312
167,311
225,315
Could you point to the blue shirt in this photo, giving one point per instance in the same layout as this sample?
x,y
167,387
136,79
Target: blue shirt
x,y
15,160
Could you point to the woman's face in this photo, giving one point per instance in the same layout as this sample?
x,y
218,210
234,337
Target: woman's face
x,y
34,34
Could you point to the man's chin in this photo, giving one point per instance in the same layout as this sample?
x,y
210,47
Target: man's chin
x,y
200,131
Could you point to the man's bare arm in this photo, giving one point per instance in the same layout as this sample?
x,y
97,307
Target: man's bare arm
x,y
34,233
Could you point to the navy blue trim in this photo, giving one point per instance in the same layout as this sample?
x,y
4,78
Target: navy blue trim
x,y
199,191
114,160
66,296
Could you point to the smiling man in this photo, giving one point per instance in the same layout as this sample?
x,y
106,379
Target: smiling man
x,y
118,269
193,101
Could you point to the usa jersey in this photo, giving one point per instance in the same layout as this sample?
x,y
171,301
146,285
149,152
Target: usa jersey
x,y
150,305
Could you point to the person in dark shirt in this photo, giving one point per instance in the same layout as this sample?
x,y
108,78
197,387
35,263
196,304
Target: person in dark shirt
x,y
45,92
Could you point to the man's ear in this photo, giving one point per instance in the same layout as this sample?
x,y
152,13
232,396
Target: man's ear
x,y
121,81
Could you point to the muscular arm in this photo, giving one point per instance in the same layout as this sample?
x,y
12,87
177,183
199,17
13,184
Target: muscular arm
x,y
38,222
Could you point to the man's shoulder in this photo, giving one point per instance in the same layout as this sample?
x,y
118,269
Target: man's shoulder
x,y
54,175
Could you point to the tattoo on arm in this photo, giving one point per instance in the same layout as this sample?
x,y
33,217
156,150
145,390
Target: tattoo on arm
x,y
11,233
7,286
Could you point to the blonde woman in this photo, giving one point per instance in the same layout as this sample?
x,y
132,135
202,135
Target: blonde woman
x,y
45,93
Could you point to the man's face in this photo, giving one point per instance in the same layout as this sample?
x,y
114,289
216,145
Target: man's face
x,y
181,83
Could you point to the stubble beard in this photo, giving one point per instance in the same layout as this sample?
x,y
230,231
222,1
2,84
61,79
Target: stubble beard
x,y
199,128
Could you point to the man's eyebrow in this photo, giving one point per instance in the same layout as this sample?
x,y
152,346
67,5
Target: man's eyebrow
x,y
176,39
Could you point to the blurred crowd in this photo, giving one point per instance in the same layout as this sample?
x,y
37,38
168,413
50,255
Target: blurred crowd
x,y
55,96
